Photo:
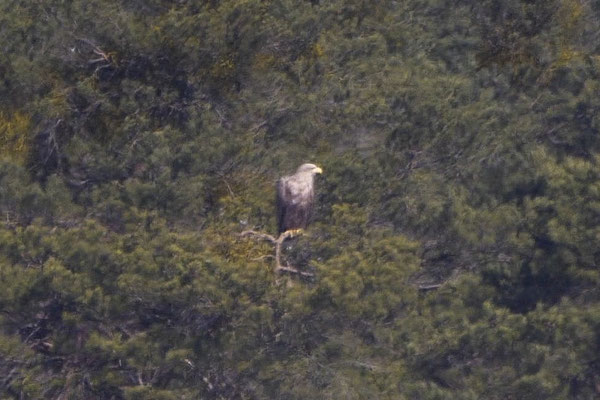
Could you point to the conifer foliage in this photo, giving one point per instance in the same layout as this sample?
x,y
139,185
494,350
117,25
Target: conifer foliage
x,y
454,248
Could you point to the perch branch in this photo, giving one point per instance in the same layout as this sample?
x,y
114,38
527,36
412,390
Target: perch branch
x,y
260,235
278,242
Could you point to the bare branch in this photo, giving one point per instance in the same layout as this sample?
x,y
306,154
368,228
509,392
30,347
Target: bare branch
x,y
264,236
293,271
231,193
278,242
263,257
425,288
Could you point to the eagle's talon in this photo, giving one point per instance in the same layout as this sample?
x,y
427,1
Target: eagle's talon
x,y
293,232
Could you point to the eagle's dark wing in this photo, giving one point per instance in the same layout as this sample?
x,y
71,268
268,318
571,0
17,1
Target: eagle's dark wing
x,y
281,205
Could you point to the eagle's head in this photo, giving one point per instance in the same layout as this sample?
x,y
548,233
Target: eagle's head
x,y
309,168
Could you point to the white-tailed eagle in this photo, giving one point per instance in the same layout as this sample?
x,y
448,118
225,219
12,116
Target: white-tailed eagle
x,y
295,198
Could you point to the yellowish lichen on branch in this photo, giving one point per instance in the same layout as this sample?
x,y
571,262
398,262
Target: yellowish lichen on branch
x,y
14,136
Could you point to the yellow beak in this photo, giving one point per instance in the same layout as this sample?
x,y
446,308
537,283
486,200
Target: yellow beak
x,y
318,171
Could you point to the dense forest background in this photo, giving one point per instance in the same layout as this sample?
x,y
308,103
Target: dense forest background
x,y
455,247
